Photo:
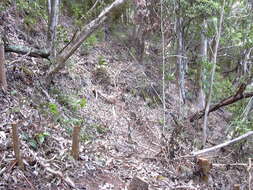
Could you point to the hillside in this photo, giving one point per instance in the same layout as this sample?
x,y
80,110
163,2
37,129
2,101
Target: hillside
x,y
117,103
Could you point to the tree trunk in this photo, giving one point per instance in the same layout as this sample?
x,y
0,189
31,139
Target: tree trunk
x,y
53,13
214,61
180,61
200,70
3,81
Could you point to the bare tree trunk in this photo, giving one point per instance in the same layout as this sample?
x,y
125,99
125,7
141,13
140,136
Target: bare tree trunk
x,y
49,8
163,50
180,61
62,57
214,60
200,75
3,81
53,13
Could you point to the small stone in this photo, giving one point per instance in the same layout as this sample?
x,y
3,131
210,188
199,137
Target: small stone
x,y
138,184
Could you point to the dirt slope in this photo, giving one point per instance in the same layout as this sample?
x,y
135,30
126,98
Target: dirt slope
x,y
121,126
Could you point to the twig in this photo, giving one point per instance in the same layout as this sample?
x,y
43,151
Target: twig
x,y
46,166
196,153
226,165
31,185
93,7
19,59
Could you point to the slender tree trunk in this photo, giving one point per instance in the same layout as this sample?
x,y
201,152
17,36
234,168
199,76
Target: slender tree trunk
x,y
3,81
49,9
53,12
200,70
214,61
180,61
163,52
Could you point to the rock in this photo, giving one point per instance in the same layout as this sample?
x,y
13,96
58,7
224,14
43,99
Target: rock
x,y
138,184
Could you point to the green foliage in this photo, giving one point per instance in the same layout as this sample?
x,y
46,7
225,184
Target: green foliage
x,y
170,76
90,41
102,61
199,8
53,109
84,137
62,34
222,88
101,129
80,10
69,114
32,9
240,124
36,140
71,103
41,137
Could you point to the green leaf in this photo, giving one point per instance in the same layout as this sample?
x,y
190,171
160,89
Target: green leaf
x,y
41,137
53,108
83,102
33,144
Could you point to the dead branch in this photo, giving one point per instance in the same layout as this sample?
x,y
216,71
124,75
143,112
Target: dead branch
x,y
32,52
227,101
196,153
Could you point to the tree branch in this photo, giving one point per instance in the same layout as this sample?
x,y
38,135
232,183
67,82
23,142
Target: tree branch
x,y
196,153
227,101
27,50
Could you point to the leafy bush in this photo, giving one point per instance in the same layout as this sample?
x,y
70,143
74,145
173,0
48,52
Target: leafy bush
x,y
32,9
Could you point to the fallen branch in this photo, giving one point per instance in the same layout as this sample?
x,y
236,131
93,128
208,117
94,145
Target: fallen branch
x,y
196,153
27,50
227,101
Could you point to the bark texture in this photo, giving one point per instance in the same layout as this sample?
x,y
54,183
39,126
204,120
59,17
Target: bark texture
x,y
3,81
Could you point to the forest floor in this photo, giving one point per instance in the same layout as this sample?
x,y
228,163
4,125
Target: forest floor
x,y
121,124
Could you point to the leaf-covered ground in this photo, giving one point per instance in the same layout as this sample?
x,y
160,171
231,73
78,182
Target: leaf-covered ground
x,y
116,101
